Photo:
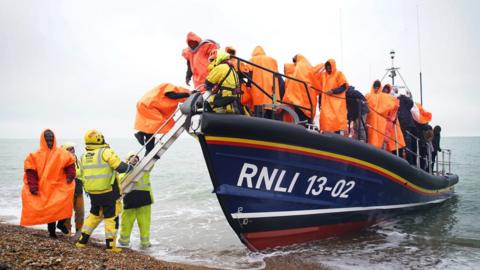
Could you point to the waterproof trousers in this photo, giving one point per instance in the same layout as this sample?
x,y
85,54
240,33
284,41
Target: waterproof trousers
x,y
143,216
108,213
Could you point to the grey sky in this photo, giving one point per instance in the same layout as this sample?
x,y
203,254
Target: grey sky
x,y
75,65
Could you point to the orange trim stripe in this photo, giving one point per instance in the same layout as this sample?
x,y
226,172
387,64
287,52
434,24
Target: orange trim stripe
x,y
325,155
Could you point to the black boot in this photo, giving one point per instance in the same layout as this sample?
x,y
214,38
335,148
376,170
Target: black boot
x,y
62,227
82,242
51,230
111,246
140,138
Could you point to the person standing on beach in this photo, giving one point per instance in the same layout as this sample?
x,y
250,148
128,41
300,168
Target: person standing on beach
x,y
98,164
137,205
47,193
78,203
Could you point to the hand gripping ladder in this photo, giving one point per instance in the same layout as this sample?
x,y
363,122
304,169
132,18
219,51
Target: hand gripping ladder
x,y
181,117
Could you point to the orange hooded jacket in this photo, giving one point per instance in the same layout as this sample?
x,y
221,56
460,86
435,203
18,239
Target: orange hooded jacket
x,y
333,114
198,58
391,129
54,200
381,106
295,92
288,69
154,108
424,116
263,78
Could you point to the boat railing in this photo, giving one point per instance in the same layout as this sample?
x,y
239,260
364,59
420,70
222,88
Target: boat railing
x,y
421,159
306,86
276,78
445,162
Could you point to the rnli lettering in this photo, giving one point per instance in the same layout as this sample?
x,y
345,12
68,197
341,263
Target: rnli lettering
x,y
269,179
266,178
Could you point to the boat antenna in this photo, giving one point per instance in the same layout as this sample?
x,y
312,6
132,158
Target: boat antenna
x,y
419,56
393,70
341,35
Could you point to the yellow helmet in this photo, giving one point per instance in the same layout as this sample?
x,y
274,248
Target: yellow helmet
x,y
93,136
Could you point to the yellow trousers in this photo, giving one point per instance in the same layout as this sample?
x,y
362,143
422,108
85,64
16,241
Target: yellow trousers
x,y
143,216
111,224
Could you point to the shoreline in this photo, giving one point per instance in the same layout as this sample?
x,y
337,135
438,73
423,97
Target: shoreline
x,y
32,248
27,248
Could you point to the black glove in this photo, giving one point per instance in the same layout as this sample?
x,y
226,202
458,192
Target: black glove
x,y
173,95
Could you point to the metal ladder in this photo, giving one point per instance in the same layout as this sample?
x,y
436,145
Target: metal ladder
x,y
162,144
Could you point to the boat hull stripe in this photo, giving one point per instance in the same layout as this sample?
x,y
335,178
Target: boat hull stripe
x,y
323,154
329,210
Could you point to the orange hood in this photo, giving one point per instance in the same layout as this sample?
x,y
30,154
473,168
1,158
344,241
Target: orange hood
x,y
333,64
43,142
388,86
301,58
258,51
372,90
193,37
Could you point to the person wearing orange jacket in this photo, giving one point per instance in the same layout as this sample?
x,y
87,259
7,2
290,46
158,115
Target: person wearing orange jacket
x,y
393,133
376,118
296,92
420,115
264,80
380,105
196,55
47,193
154,108
288,69
333,105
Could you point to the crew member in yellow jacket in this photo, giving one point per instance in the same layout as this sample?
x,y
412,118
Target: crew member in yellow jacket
x,y
98,164
137,205
223,82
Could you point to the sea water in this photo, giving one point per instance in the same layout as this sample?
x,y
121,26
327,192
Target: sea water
x,y
188,225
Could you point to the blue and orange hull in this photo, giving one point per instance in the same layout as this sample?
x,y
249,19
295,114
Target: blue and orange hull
x,y
280,184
